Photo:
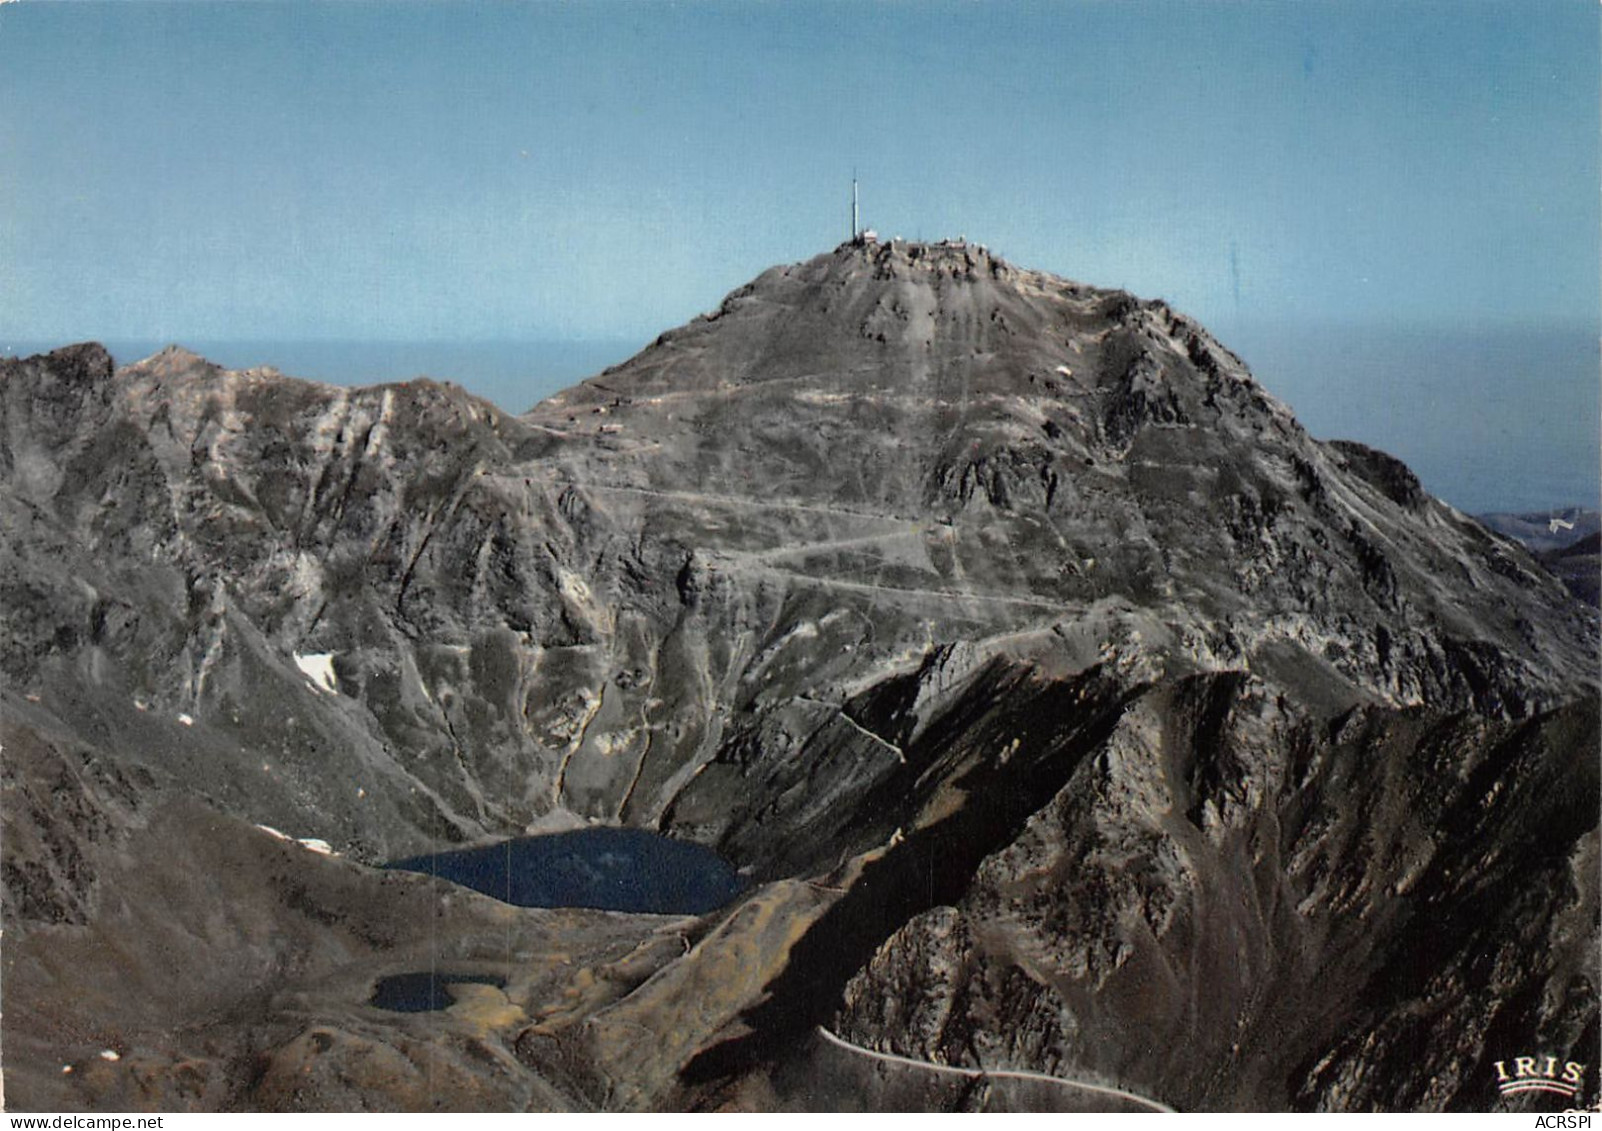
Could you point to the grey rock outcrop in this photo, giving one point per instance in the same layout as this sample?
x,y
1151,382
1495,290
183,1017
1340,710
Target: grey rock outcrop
x,y
1063,697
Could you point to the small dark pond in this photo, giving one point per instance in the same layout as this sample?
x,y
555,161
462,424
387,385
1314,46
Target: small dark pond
x,y
610,869
424,991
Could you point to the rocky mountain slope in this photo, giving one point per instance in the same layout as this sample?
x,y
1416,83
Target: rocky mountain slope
x,y
1070,708
1579,566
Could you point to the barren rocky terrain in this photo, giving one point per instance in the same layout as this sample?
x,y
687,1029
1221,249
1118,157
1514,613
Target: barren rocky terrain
x,y
1066,707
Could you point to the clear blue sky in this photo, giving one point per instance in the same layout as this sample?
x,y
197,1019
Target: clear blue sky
x,y
205,171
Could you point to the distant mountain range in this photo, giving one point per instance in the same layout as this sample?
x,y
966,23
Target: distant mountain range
x,y
1545,531
1567,541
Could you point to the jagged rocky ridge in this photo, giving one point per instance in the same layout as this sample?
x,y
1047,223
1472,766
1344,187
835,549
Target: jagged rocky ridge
x,y
1072,707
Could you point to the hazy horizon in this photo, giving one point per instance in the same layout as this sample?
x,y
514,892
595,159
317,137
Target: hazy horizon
x,y
1422,173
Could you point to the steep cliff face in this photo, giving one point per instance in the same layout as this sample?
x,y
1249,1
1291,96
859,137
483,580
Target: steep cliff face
x,y
1060,692
1361,914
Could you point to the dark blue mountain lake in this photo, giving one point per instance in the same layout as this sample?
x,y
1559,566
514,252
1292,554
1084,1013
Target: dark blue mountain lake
x,y
610,869
424,991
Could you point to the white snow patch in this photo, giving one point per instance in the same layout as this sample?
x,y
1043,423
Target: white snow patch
x,y
110,1054
310,843
318,667
187,720
66,1069
141,705
1065,371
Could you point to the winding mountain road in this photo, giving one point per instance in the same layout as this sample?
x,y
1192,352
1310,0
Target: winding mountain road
x,y
994,1073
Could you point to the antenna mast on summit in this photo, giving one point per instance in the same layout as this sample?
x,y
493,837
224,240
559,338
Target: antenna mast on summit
x,y
855,227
